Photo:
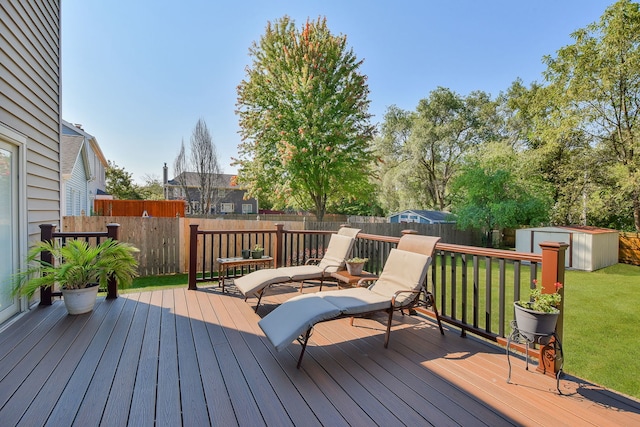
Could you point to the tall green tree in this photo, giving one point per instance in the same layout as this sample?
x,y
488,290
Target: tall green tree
x,y
423,150
119,183
595,88
491,199
304,120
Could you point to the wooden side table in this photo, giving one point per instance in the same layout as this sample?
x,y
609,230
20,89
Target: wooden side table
x,y
343,276
225,264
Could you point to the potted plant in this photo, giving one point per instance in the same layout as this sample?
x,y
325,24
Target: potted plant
x,y
257,251
80,270
355,265
536,318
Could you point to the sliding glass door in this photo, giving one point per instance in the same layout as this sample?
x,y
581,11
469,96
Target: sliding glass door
x,y
9,226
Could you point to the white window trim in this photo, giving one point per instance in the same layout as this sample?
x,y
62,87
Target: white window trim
x,y
20,141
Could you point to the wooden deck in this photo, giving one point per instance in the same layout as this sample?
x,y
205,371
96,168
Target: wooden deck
x,y
195,358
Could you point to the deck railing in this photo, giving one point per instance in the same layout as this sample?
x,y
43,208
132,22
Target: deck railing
x,y
48,233
474,287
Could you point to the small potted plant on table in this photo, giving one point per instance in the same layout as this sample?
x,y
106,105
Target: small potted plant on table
x,y
355,265
79,269
257,251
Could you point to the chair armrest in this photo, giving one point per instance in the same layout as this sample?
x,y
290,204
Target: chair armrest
x,y
315,260
324,270
361,282
393,299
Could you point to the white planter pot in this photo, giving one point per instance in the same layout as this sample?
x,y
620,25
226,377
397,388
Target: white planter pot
x,y
79,301
355,268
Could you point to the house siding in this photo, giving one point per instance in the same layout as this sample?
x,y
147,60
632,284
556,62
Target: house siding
x,y
30,99
76,191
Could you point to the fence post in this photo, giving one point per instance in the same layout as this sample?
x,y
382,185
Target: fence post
x,y
553,257
46,234
278,253
113,232
193,256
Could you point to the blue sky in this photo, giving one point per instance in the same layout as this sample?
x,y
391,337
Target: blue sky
x,y
138,74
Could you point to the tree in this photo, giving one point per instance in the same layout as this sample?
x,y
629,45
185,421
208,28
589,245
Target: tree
x,y
304,121
119,183
595,83
152,188
200,169
180,172
422,151
494,199
204,159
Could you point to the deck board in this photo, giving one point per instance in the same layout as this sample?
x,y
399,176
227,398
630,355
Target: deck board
x,y
179,357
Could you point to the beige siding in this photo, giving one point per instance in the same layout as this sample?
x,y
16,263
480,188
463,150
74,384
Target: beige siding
x,y
30,98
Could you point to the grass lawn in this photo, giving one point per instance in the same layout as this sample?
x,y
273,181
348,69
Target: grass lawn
x,y
601,326
601,323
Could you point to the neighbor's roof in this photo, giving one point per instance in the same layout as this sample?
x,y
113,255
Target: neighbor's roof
x,y
436,216
69,152
192,180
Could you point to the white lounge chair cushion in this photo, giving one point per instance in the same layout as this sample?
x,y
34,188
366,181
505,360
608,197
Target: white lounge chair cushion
x,y
253,282
337,252
288,321
301,272
400,274
402,271
348,231
356,300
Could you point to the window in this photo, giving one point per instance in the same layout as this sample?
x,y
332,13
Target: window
x,y
226,207
247,208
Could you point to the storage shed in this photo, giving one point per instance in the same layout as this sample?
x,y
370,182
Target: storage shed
x,y
590,248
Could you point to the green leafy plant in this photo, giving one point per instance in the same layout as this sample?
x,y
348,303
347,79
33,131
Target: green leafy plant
x,y
538,301
78,265
258,247
357,260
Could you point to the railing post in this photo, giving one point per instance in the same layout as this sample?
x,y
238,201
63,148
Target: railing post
x,y
278,253
113,232
46,234
193,255
553,257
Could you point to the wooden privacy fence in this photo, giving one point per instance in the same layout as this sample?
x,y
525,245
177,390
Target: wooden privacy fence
x,y
629,248
139,208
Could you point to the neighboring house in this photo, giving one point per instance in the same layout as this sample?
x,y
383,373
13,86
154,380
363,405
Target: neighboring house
x,y
83,168
422,217
30,122
227,198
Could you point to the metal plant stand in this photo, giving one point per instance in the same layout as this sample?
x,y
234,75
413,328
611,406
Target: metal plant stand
x,y
517,337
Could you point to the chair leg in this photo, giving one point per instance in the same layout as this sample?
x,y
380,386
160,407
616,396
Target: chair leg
x,y
259,298
386,338
432,302
304,346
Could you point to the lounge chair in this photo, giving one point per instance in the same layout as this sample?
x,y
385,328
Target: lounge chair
x,y
338,250
399,286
